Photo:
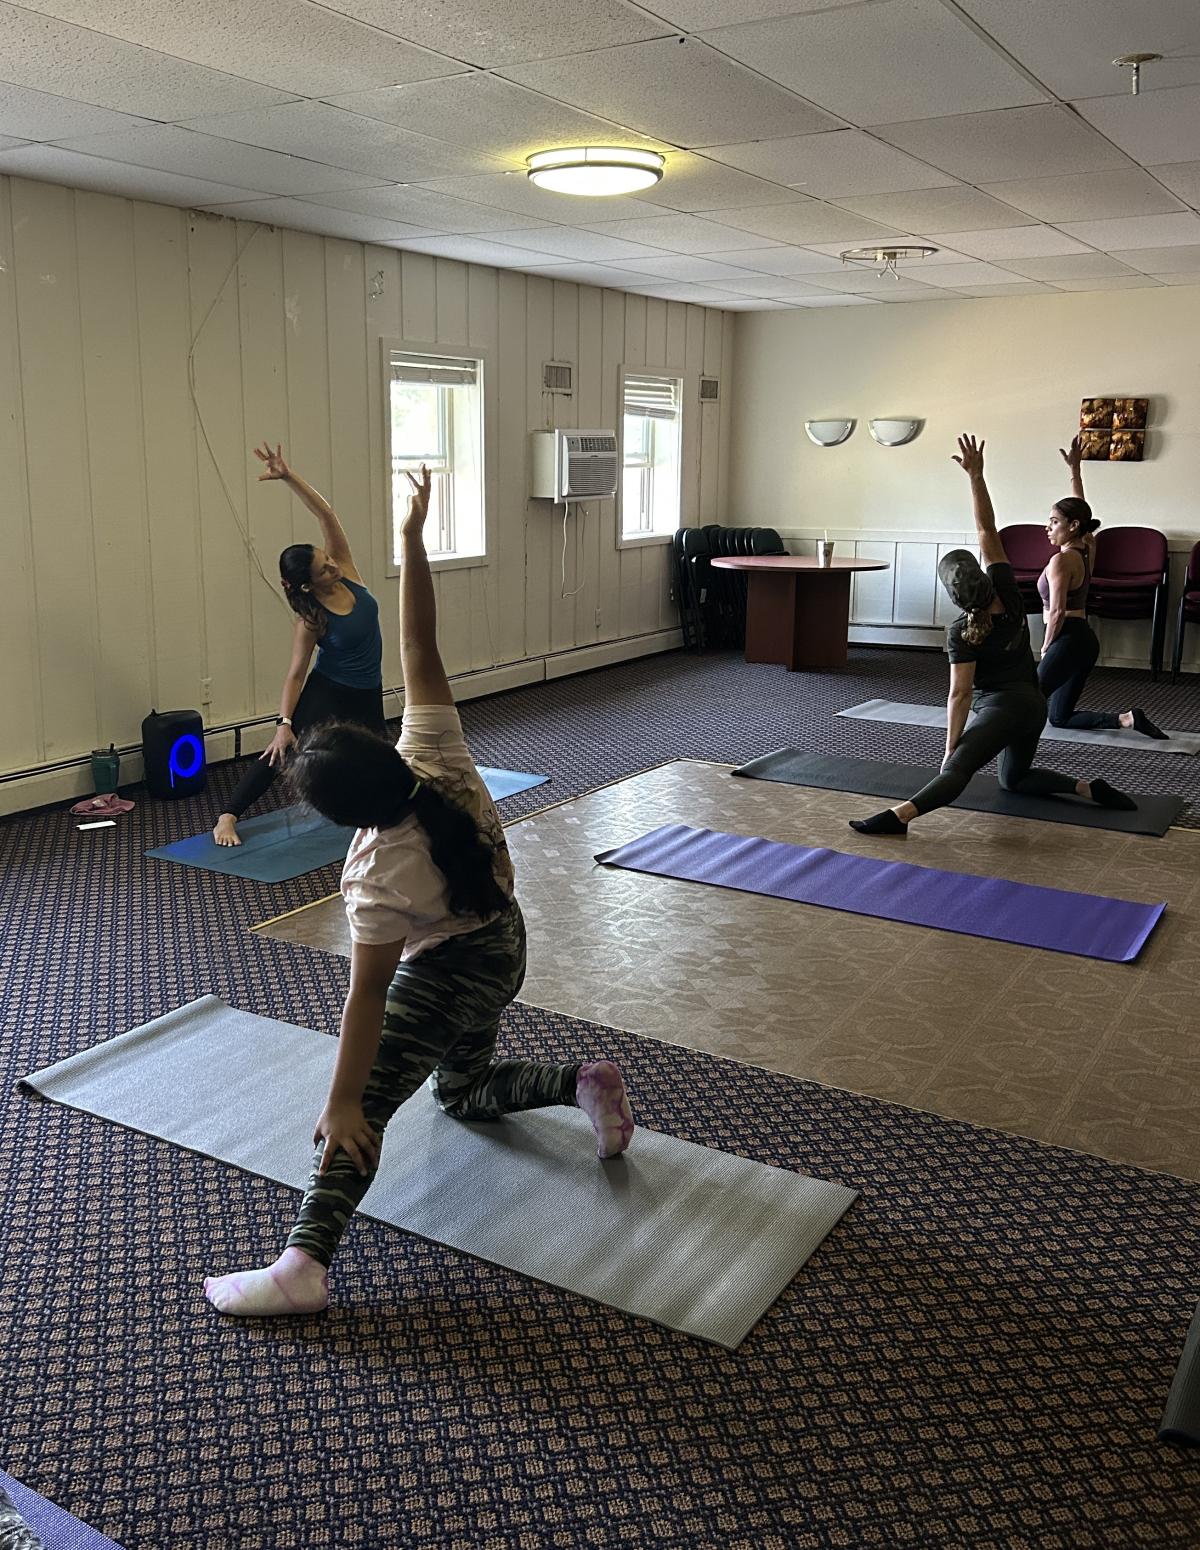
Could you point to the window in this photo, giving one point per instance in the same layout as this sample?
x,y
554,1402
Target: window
x,y
437,419
650,475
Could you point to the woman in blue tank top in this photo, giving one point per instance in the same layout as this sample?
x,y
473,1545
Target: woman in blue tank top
x,y
338,619
1069,647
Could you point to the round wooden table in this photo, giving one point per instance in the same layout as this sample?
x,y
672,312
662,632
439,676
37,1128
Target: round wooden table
x,y
797,610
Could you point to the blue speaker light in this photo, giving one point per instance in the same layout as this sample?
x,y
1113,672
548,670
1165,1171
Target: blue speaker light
x,y
183,747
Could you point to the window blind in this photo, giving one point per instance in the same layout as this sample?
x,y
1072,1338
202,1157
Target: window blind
x,y
442,370
655,398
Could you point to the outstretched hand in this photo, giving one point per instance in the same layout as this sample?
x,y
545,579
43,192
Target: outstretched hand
x,y
276,467
418,505
1072,456
970,459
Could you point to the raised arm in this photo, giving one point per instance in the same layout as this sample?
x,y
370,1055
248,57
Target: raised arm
x,y
970,460
1072,456
424,676
337,545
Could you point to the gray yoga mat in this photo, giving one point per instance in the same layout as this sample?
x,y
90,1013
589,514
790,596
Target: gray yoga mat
x,y
1181,1417
692,1238
935,716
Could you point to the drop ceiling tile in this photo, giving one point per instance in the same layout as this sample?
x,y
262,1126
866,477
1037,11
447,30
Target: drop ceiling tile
x,y
418,206
341,139
1010,242
1181,177
881,63
1010,143
1077,266
482,250
839,162
513,191
856,277
47,55
1159,261
913,293
781,261
168,148
955,275
754,304
835,301
488,113
693,183
1017,288
779,286
11,142
589,274
35,115
1139,231
680,234
808,222
305,50
1157,126
573,242
695,15
298,215
684,91
673,266
52,165
1087,196
1071,44
935,209
1179,279
482,33
680,290
1129,282
888,289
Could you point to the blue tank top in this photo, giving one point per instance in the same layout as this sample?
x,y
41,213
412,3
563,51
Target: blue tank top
x,y
351,649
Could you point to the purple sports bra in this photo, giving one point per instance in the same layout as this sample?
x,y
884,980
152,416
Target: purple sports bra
x,y
1077,596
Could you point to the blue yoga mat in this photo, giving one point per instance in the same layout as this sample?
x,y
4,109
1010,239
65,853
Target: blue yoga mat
x,y
56,1529
1081,923
289,841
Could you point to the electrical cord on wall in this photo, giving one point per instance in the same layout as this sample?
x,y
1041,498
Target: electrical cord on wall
x,y
583,521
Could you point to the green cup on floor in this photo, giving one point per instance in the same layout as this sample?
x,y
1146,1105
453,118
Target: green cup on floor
x,y
106,769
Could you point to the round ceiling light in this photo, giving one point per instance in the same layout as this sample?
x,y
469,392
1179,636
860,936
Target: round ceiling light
x,y
595,170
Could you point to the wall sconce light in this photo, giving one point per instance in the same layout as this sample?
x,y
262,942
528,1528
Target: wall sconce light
x,y
829,433
894,433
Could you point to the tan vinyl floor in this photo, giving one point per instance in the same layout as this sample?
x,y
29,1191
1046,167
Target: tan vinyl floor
x,y
1100,1057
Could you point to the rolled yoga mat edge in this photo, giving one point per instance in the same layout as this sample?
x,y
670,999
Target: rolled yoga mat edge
x,y
1025,914
897,782
1181,1416
699,1240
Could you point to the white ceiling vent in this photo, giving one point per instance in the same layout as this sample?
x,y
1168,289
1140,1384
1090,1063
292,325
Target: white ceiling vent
x,y
558,377
710,390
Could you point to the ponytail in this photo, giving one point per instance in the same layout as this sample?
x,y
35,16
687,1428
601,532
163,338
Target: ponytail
x,y
978,626
357,778
295,573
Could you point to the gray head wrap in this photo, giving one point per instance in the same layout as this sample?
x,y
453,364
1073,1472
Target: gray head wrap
x,y
967,586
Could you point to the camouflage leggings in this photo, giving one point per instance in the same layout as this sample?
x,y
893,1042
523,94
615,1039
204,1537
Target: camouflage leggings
x,y
15,1533
443,1013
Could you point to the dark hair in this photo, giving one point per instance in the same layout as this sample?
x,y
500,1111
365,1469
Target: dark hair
x,y
978,626
356,777
1072,509
295,572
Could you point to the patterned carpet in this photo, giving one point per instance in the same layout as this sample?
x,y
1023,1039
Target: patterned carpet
x,y
977,1359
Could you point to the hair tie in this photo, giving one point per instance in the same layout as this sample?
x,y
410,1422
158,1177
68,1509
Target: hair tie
x,y
417,784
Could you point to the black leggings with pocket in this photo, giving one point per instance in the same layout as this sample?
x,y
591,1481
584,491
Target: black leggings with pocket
x,y
321,699
1007,722
1064,670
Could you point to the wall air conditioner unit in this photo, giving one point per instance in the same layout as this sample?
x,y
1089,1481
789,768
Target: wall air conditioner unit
x,y
574,465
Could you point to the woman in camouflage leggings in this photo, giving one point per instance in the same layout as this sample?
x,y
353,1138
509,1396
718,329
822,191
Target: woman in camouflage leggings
x,y
438,952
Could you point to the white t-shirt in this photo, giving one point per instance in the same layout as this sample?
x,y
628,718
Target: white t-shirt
x,y
390,884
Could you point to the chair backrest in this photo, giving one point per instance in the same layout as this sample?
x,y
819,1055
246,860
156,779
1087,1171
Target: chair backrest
x,y
765,540
1129,551
695,543
1027,546
1192,583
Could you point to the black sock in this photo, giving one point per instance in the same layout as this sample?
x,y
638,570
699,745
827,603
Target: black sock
x,y
1143,724
882,823
1109,796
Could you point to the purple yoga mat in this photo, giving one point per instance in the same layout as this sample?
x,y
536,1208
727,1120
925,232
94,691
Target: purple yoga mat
x,y
1061,922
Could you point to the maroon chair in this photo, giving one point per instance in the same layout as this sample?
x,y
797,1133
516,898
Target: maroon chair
x,y
1189,606
1129,581
1029,551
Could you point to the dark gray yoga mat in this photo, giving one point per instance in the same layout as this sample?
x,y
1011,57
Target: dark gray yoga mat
x,y
897,782
1181,1418
695,1239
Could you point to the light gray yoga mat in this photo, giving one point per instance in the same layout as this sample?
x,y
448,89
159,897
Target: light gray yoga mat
x,y
698,1240
935,716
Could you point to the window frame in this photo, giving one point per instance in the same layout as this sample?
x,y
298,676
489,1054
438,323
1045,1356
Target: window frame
x,y
643,540
487,446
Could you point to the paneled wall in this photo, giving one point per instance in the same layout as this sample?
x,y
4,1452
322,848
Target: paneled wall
x,y
145,349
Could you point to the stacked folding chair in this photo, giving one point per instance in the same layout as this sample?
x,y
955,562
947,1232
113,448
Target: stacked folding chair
x,y
712,601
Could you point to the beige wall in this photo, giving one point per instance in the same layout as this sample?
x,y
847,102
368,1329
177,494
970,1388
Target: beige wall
x,y
128,583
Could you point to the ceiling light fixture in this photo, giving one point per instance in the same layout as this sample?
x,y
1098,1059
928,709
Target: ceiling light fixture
x,y
885,260
1134,63
595,170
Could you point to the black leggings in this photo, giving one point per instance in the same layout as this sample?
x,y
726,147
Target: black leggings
x,y
1007,722
321,699
1062,673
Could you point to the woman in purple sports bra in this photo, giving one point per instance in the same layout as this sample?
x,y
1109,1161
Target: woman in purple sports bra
x,y
1070,647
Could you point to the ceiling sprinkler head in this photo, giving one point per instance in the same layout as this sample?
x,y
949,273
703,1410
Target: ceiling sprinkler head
x,y
1135,63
